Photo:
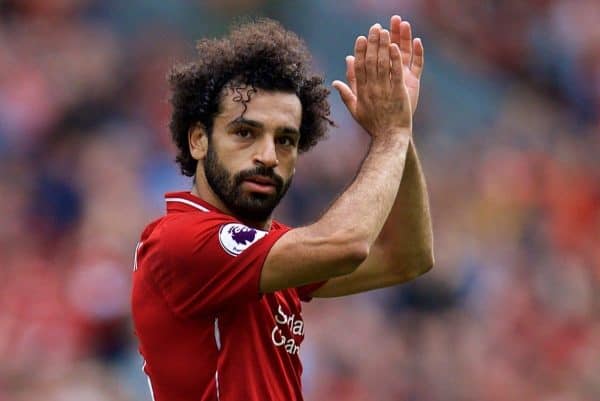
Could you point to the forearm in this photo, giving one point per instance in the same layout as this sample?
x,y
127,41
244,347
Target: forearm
x,y
361,211
341,239
407,238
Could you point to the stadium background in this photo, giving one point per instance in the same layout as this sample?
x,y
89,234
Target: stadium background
x,y
508,128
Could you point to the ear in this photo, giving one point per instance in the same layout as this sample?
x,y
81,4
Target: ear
x,y
198,141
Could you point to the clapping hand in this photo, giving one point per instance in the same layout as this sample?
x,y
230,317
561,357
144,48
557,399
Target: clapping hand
x,y
384,78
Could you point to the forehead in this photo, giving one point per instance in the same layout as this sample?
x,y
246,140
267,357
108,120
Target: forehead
x,y
271,108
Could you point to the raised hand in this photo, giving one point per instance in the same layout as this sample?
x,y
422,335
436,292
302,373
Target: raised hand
x,y
377,96
412,55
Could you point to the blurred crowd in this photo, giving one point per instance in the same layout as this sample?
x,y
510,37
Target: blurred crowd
x,y
508,129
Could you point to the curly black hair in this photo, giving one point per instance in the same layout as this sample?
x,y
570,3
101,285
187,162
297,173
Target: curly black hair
x,y
259,54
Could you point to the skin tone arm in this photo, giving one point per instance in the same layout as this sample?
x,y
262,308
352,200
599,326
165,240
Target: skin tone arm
x,y
342,238
404,249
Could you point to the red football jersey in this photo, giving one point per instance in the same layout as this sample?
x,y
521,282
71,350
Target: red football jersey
x,y
205,331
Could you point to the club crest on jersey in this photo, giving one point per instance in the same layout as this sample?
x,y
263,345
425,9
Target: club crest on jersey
x,y
235,238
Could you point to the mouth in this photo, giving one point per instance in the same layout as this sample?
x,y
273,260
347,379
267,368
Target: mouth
x,y
260,184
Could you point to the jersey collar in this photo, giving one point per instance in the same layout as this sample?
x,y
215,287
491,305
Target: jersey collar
x,y
178,202
187,202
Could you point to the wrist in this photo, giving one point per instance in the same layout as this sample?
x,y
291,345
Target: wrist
x,y
393,140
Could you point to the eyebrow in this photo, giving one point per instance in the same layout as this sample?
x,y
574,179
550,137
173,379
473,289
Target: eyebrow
x,y
245,121
255,124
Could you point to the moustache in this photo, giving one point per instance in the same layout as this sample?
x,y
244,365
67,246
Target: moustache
x,y
261,171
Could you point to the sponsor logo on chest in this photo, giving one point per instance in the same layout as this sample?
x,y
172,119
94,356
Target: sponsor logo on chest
x,y
286,331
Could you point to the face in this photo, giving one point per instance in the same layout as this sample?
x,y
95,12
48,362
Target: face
x,y
250,156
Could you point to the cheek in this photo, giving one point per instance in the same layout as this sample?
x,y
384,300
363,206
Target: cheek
x,y
233,161
287,168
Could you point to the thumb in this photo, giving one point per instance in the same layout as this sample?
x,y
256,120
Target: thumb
x,y
346,94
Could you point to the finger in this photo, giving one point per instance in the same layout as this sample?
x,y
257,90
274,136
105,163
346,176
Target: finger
x,y
346,94
395,29
418,60
350,73
397,68
406,43
360,51
383,57
371,55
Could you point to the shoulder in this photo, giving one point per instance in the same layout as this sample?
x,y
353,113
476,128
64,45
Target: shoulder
x,y
207,234
182,230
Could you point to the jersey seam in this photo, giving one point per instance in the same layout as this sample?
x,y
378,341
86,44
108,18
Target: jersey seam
x,y
218,345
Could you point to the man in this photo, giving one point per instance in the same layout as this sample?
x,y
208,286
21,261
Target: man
x,y
217,283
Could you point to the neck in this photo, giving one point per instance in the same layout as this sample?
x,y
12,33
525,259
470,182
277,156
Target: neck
x,y
202,190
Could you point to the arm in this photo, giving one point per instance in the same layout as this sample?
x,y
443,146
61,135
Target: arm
x,y
404,250
342,238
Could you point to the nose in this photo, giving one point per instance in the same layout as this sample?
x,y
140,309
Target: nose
x,y
266,154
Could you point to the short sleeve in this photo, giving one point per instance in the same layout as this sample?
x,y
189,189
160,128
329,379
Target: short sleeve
x,y
305,291
210,264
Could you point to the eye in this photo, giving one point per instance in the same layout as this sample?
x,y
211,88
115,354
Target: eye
x,y
243,133
286,141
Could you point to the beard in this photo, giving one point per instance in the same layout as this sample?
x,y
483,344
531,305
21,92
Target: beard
x,y
245,205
